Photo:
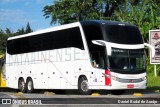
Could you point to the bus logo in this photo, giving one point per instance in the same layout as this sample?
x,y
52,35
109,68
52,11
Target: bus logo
x,y
131,81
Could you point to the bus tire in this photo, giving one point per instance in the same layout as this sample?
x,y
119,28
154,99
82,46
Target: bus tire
x,y
21,85
30,86
83,86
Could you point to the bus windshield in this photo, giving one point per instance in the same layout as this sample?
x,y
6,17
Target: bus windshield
x,y
127,61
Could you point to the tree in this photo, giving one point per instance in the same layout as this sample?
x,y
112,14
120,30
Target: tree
x,y
4,34
145,14
110,6
3,39
1,31
67,11
20,31
28,28
8,31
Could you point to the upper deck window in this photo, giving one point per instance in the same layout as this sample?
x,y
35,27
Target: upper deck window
x,y
122,34
65,38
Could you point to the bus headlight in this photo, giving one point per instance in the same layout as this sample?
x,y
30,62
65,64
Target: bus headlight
x,y
144,78
114,78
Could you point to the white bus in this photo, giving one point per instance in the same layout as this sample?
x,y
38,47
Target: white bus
x,y
86,55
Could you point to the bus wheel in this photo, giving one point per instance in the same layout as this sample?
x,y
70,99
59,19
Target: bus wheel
x,y
22,85
83,86
117,92
29,86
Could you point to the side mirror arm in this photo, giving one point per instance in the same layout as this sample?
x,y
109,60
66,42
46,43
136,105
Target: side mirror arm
x,y
152,49
103,43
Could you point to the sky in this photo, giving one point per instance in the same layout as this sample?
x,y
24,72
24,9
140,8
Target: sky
x,y
14,14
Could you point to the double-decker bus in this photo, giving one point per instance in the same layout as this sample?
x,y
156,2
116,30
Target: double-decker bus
x,y
86,55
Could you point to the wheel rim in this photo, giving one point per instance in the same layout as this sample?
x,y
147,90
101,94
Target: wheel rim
x,y
29,85
22,85
84,86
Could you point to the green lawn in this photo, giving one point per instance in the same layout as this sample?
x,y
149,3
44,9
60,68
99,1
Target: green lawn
x,y
153,82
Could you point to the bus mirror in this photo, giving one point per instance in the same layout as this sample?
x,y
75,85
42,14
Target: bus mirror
x,y
152,49
103,43
98,42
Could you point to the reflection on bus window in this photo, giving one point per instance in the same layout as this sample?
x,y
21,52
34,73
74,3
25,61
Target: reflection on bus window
x,y
127,61
97,59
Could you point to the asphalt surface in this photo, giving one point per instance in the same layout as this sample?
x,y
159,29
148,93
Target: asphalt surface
x,y
4,96
50,99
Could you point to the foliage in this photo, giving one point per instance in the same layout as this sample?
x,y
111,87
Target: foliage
x,y
20,31
145,14
152,81
8,31
67,11
28,29
3,38
4,34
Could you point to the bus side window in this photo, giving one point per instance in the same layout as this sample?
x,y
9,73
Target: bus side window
x,y
93,59
97,59
94,63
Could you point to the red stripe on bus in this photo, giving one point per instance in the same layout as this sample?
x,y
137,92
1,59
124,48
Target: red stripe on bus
x,y
107,79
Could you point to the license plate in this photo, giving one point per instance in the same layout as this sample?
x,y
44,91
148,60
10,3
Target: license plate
x,y
130,86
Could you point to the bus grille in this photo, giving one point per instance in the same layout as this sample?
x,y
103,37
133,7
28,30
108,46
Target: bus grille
x,y
130,80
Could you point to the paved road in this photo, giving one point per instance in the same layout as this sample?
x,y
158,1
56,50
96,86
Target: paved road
x,y
4,96
49,99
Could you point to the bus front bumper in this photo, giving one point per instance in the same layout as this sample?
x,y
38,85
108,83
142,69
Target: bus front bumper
x,y
115,85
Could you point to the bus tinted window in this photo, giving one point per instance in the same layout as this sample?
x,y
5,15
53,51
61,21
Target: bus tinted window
x,y
97,53
122,34
46,41
35,43
10,46
127,61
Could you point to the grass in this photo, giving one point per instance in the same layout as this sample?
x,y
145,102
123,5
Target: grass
x,y
153,83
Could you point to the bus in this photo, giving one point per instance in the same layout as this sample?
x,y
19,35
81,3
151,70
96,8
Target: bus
x,y
85,56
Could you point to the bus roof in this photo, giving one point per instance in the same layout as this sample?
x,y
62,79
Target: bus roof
x,y
112,31
106,22
61,27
